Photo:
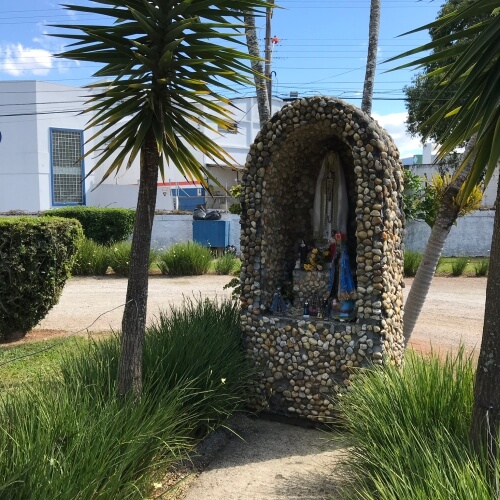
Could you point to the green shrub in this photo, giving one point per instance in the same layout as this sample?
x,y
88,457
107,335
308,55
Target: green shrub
x,y
411,262
103,225
409,431
36,256
458,266
119,257
235,208
92,259
226,263
185,259
481,267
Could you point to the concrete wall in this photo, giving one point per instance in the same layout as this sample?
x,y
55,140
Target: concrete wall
x,y
470,237
170,229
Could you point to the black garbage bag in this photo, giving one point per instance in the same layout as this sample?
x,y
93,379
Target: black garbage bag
x,y
200,213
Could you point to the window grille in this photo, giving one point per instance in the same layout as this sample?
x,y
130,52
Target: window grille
x,y
67,166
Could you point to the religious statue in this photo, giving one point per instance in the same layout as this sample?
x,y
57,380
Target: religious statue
x,y
330,200
278,305
341,283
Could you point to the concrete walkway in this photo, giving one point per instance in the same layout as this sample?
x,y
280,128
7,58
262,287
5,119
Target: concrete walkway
x,y
272,461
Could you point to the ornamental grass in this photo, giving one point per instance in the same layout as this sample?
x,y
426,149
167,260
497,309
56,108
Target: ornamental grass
x,y
71,437
409,432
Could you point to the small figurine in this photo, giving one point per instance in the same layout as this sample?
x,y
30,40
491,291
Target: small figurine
x,y
302,252
278,305
306,309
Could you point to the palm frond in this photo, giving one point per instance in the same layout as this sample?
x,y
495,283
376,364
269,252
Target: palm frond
x,y
476,70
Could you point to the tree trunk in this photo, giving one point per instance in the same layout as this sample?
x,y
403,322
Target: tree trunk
x,y
446,217
371,60
485,427
263,103
129,381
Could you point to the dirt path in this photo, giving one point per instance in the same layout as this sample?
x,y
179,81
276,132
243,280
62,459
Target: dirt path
x,y
273,461
452,313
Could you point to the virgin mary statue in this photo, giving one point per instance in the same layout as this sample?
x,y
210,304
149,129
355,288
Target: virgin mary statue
x,y
330,201
330,213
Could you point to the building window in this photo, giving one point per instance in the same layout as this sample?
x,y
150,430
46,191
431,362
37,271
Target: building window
x,y
66,148
232,129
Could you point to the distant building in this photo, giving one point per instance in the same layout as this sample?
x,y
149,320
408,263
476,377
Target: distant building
x,y
43,136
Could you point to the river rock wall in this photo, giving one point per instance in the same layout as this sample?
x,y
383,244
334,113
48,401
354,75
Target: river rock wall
x,y
302,363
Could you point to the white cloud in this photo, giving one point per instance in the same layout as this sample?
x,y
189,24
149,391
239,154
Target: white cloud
x,y
394,123
17,60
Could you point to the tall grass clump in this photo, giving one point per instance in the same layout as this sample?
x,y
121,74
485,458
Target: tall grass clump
x,y
411,262
185,259
73,438
119,257
481,267
458,266
92,259
409,431
226,264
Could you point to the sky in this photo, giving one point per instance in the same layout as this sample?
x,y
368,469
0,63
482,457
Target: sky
x,y
321,50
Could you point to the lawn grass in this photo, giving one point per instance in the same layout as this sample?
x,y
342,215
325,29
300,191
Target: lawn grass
x,y
35,360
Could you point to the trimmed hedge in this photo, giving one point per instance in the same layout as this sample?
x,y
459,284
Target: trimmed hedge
x,y
36,256
103,225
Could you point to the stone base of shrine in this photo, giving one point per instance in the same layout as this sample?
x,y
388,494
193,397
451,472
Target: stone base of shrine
x,y
303,364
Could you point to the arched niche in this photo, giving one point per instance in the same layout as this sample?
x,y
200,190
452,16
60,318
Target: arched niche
x,y
278,189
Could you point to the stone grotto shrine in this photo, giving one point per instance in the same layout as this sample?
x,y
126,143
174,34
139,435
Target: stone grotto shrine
x,y
321,242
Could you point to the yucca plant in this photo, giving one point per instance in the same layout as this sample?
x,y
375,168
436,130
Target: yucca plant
x,y
162,64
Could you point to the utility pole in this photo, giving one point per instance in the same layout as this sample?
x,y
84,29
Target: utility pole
x,y
268,52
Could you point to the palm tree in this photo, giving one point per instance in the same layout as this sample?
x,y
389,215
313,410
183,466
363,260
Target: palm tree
x,y
371,60
447,214
263,104
162,63
476,68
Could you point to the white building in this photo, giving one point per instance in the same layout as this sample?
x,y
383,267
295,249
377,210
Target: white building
x,y
42,137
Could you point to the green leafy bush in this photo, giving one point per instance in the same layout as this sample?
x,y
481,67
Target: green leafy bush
x,y
103,225
92,259
73,438
185,259
458,266
119,257
409,429
235,208
36,256
411,262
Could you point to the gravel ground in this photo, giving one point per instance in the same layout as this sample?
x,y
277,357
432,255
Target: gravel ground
x,y
273,460
452,313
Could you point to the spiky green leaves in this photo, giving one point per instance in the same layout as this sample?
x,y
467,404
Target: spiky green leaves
x,y
164,62
476,70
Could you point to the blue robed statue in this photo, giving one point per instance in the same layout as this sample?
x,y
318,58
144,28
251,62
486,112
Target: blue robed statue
x,y
329,220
